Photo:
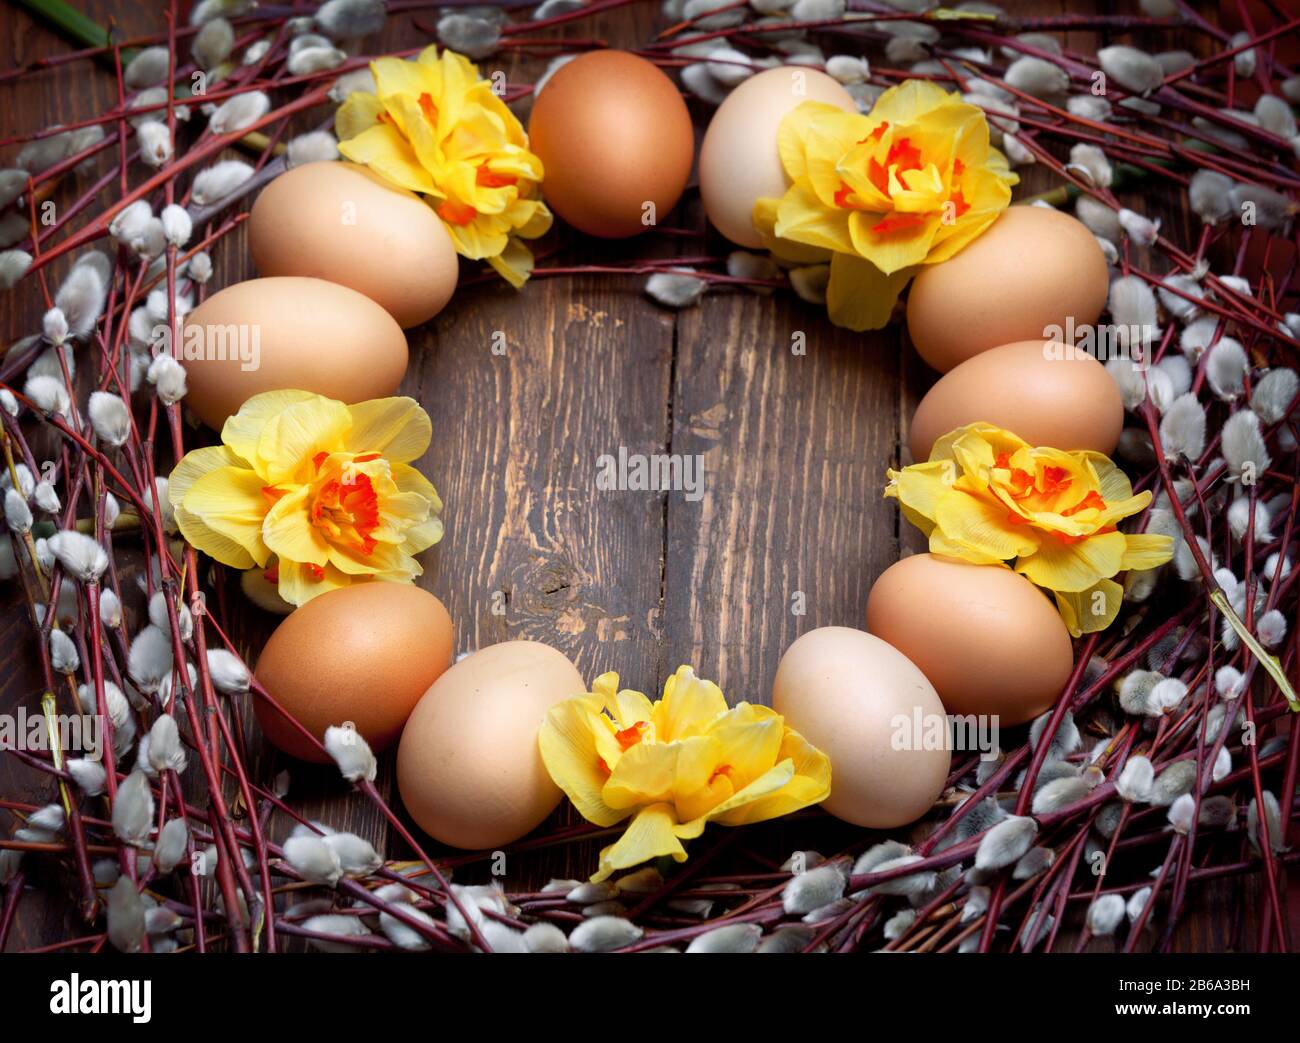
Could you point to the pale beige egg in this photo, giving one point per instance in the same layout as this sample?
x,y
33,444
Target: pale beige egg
x,y
990,642
1048,393
872,711
739,163
1034,271
468,767
288,332
340,222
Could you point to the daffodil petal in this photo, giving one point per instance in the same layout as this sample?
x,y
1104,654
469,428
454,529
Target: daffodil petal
x,y
809,784
194,465
289,534
212,543
644,774
702,781
792,133
800,218
1146,551
383,149
1112,483
298,583
981,526
396,427
764,218
688,707
383,560
748,747
860,296
568,744
631,708
1091,610
922,487
514,263
243,430
358,113
771,781
1074,566
291,439
650,835
229,501
941,546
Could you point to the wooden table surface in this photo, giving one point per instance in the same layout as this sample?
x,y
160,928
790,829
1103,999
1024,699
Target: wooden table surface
x,y
789,536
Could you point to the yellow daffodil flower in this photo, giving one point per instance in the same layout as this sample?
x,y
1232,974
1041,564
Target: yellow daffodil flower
x,y
325,489
434,127
676,764
988,497
882,194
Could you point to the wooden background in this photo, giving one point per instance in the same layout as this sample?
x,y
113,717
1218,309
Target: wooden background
x,y
794,448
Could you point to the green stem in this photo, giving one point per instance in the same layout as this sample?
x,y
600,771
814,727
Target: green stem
x,y
73,24
1125,175
1269,662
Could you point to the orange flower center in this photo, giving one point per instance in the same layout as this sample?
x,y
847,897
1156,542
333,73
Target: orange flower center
x,y
346,509
429,109
1049,483
488,179
629,737
898,222
901,157
1093,500
456,213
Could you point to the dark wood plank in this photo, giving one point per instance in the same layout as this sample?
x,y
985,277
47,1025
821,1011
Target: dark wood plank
x,y
793,527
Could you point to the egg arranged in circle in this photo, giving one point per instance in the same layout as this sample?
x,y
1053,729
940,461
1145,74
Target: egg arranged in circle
x,y
362,655
874,713
739,160
287,332
1034,273
990,642
469,767
616,141
340,222
1046,392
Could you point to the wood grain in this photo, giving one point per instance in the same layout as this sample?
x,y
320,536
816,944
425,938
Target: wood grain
x,y
793,527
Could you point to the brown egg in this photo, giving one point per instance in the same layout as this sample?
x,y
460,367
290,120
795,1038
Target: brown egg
x,y
1048,393
469,768
613,135
859,700
288,332
739,162
364,653
340,222
1034,273
988,639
